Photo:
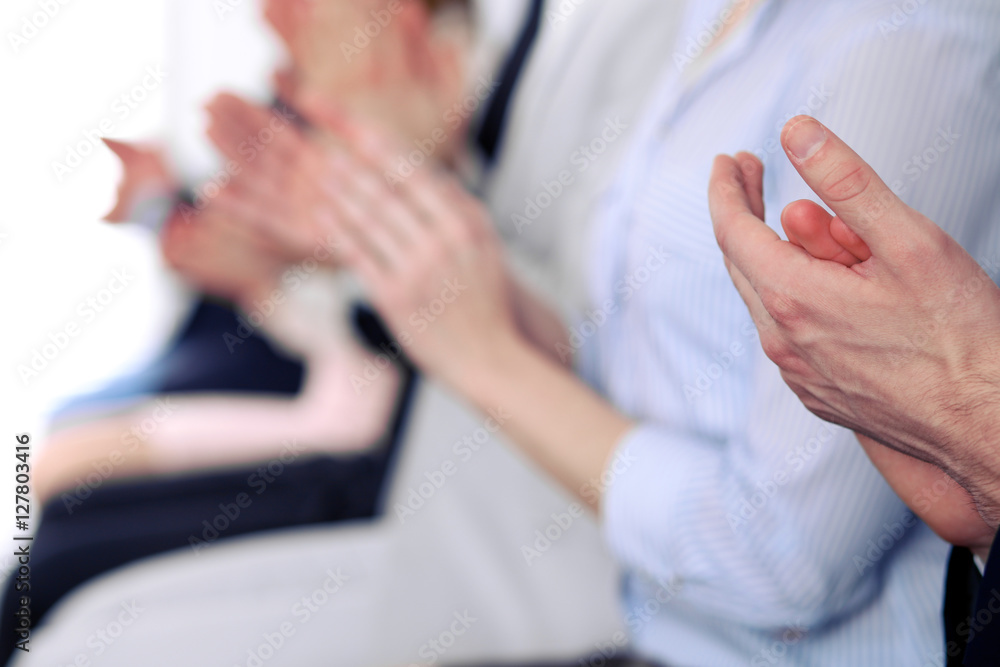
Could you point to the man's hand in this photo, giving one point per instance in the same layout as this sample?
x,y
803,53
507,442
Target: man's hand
x,y
944,505
935,497
878,319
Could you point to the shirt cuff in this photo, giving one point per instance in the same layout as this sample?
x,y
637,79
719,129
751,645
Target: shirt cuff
x,y
650,487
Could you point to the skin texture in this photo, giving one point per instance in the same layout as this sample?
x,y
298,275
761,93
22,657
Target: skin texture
x,y
839,307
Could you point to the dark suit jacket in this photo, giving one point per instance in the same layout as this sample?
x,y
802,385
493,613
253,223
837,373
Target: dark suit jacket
x,y
972,611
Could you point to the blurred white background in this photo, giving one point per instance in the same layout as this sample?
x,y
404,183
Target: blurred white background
x,y
62,83
63,76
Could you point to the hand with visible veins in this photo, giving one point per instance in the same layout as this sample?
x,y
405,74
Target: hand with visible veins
x,y
834,306
940,501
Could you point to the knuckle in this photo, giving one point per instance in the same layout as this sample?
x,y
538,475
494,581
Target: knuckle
x,y
923,251
795,370
934,240
847,183
722,190
776,349
784,309
858,186
723,235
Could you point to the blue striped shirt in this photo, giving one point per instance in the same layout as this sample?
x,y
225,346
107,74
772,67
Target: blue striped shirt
x,y
749,531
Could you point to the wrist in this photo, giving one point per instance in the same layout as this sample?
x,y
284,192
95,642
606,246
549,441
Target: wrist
x,y
974,445
474,373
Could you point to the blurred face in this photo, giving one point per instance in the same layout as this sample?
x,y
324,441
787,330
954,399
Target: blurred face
x,y
386,61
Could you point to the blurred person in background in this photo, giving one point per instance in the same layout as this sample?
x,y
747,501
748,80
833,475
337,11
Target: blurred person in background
x,y
404,81
578,100
333,440
725,499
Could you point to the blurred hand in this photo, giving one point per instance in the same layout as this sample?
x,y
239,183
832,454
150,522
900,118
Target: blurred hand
x,y
212,250
427,252
894,331
220,255
144,175
278,190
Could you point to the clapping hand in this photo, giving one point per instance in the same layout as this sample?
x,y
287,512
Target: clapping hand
x,y
838,307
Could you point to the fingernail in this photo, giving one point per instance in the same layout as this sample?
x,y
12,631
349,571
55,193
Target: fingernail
x,y
805,138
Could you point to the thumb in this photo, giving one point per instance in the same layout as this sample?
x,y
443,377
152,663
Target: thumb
x,y
848,185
